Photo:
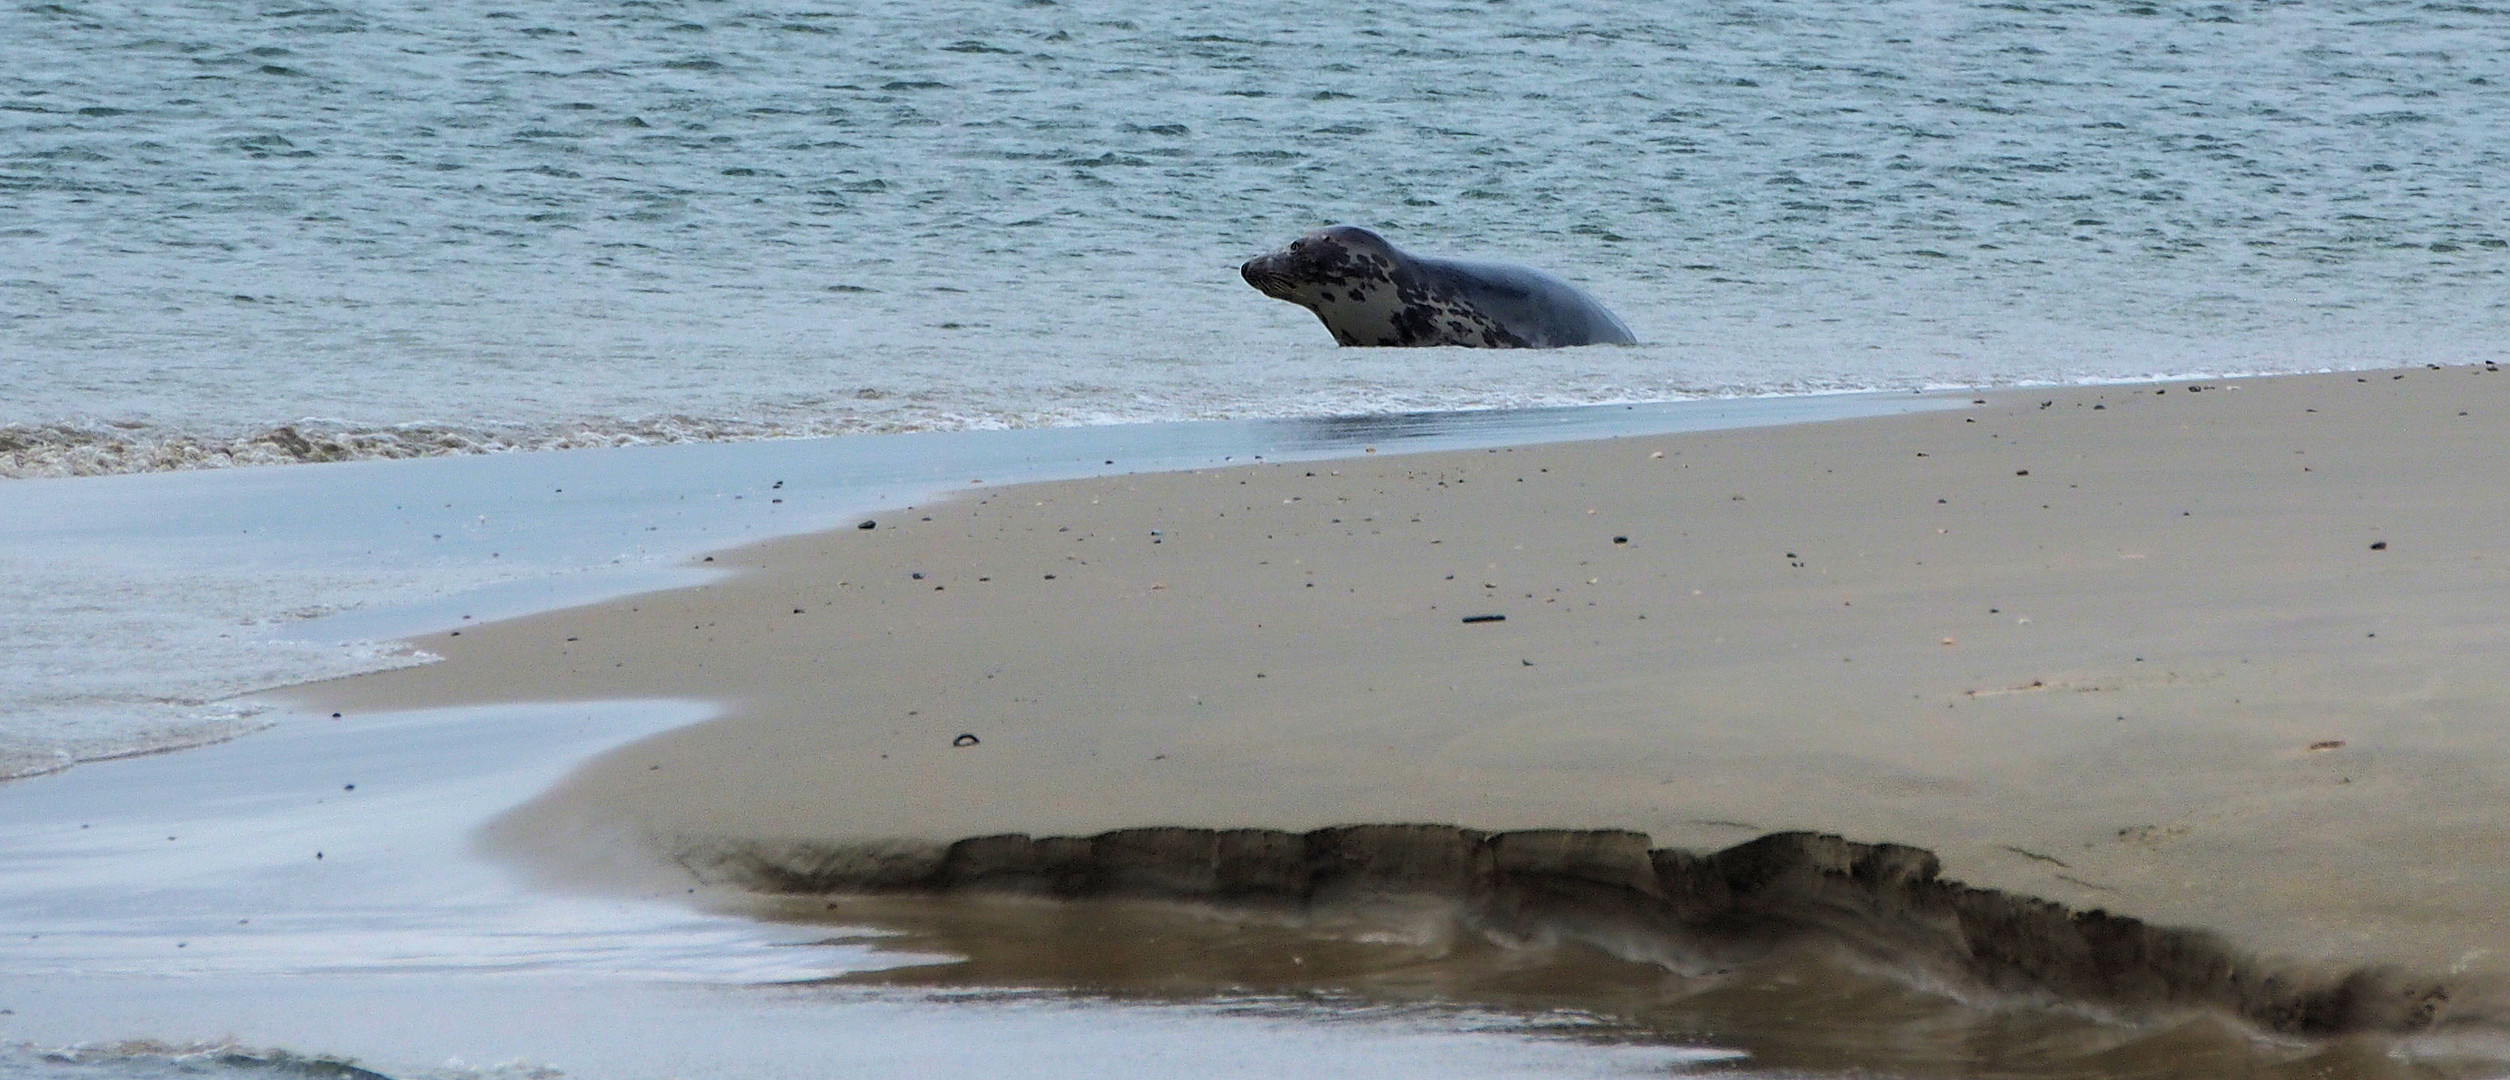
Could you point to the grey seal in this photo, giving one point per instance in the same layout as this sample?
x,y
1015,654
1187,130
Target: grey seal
x,y
1369,292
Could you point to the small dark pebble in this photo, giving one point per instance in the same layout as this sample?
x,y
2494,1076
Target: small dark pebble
x,y
1485,618
917,575
1050,577
335,716
964,740
348,787
868,524
2021,472
2379,545
1620,539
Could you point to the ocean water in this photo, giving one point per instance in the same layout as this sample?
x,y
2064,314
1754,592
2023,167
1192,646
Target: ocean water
x,y
296,229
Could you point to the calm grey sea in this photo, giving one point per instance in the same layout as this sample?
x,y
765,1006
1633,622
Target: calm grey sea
x,y
404,227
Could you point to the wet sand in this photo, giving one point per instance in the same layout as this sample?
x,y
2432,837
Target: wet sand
x,y
2226,657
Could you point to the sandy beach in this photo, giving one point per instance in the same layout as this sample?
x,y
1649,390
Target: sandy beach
x,y
2223,655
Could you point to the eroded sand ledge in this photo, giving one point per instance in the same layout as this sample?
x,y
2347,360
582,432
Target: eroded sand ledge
x,y
1885,902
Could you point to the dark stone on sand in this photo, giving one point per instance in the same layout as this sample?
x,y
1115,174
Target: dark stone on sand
x,y
868,524
2379,545
1884,902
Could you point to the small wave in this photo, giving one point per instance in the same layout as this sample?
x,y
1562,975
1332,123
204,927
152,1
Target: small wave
x,y
104,715
66,448
40,747
71,448
148,1059
91,447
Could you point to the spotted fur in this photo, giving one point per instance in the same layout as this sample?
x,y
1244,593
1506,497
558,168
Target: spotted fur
x,y
1368,292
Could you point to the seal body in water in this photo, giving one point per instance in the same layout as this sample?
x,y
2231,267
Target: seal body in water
x,y
1369,292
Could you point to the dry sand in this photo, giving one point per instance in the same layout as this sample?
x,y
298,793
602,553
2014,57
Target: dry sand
x,y
2134,648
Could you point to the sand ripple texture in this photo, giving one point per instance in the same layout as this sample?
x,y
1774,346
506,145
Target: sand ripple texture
x,y
284,232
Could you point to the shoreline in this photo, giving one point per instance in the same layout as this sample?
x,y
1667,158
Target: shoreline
x,y
2129,632
320,563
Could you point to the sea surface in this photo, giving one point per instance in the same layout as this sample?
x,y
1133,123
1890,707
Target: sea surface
x,y
288,229
680,241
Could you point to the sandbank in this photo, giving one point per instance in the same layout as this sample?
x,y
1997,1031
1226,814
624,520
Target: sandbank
x,y
2223,654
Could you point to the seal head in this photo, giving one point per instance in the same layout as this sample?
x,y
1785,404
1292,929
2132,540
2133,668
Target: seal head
x,y
1369,292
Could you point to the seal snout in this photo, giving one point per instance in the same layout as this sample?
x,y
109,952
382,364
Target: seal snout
x,y
1267,279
